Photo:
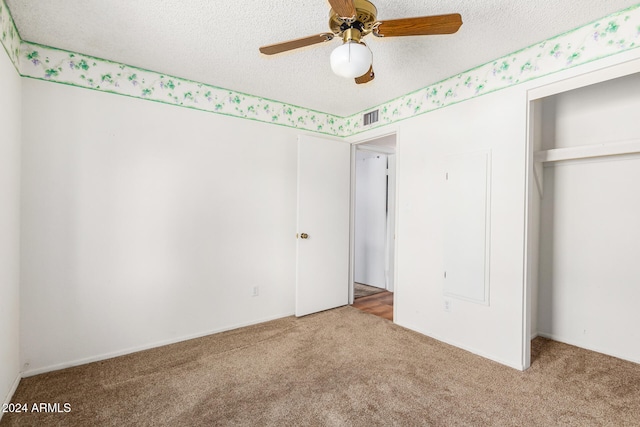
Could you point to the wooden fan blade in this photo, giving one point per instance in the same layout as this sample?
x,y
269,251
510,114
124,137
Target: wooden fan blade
x,y
421,26
367,77
343,8
272,49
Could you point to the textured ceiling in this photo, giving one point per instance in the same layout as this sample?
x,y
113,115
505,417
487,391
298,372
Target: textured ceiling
x,y
216,41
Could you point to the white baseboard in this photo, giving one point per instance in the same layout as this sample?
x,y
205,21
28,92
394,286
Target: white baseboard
x,y
517,366
97,358
12,391
575,343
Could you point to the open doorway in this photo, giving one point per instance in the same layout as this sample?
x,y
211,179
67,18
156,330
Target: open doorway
x,y
374,226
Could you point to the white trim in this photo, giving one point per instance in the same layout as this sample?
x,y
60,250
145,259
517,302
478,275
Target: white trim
x,y
375,148
391,222
396,239
588,151
373,134
610,72
525,355
12,391
162,343
352,224
477,352
590,348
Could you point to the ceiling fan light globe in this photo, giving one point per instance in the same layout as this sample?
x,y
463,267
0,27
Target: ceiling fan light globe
x,y
351,60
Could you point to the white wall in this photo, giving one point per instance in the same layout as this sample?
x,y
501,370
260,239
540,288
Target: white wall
x,y
144,224
497,122
601,113
371,219
590,238
10,110
140,221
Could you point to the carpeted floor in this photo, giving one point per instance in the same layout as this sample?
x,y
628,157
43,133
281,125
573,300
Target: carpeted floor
x,y
341,367
360,290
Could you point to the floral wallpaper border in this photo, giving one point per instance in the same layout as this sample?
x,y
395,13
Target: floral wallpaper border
x,y
9,34
613,34
60,66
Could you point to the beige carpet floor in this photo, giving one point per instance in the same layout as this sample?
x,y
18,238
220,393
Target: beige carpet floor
x,y
341,367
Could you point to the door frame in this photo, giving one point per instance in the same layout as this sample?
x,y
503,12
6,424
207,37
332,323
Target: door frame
x,y
361,144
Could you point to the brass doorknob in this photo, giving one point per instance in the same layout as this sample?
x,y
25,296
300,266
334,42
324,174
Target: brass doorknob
x,y
304,236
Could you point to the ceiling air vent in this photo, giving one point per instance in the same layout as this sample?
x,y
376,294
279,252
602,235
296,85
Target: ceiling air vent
x,y
370,118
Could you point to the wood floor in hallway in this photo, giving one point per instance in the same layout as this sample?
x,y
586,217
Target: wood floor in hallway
x,y
380,304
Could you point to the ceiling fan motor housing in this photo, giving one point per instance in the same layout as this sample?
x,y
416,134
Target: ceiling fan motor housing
x,y
366,16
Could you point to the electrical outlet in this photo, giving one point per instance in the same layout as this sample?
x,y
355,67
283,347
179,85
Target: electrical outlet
x,y
447,305
256,291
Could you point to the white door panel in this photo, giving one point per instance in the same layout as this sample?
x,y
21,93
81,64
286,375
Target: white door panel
x,y
324,177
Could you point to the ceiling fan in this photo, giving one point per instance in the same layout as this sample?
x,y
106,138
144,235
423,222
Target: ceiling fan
x,y
352,20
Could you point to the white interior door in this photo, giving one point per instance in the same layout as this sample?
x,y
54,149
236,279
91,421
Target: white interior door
x,y
324,179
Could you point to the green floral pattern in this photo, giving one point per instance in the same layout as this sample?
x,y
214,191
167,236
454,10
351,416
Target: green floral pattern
x,y
46,63
9,34
613,34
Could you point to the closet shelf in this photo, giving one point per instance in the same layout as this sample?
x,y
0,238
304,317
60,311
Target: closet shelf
x,y
588,151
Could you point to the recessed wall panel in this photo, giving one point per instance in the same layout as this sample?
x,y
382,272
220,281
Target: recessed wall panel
x,y
466,228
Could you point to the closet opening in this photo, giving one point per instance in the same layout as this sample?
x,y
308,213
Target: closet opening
x,y
583,233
